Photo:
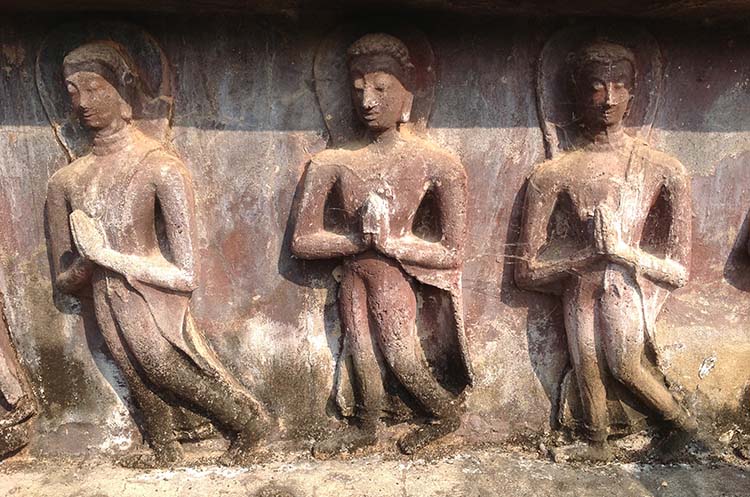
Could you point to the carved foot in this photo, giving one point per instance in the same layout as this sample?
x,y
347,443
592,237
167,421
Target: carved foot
x,y
676,446
13,439
424,435
347,440
23,410
594,452
165,456
243,450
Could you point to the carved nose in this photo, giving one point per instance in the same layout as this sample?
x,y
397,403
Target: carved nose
x,y
610,94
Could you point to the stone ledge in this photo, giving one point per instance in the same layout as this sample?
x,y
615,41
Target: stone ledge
x,y
476,473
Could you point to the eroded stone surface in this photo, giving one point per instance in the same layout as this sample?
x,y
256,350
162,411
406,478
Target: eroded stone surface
x,y
247,121
465,474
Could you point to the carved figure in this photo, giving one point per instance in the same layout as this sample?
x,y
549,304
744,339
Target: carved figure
x,y
606,224
359,204
122,223
14,427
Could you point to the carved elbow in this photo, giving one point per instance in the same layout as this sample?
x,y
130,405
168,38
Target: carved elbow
x,y
298,248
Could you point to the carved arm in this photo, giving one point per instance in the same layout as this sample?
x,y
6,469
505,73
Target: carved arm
x,y
175,194
310,239
532,272
71,272
450,193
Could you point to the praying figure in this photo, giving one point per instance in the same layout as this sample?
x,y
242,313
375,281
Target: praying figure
x,y
360,204
122,225
606,224
19,404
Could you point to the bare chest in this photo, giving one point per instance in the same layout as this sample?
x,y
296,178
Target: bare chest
x,y
400,187
108,188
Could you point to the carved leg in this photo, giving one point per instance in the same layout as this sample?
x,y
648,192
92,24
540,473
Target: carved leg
x,y
13,439
367,380
393,309
215,396
172,371
579,305
23,409
624,334
10,386
157,414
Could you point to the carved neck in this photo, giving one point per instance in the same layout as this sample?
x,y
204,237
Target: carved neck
x,y
108,142
384,138
606,138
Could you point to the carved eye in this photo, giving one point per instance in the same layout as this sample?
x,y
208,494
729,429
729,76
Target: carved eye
x,y
359,85
71,88
597,86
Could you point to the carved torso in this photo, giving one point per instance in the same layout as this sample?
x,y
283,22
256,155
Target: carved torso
x,y
633,181
400,173
118,189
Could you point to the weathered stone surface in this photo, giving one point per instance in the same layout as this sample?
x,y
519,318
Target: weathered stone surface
x,y
246,121
478,473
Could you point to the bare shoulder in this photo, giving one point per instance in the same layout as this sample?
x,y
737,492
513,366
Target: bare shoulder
x,y
439,158
334,156
332,159
164,165
68,173
665,164
552,172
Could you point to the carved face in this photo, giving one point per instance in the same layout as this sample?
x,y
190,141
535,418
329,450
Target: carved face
x,y
604,93
380,99
97,103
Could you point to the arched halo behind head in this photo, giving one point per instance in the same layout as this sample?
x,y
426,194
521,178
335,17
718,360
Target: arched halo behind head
x,y
403,44
566,51
126,56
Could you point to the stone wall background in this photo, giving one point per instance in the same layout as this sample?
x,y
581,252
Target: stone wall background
x,y
246,121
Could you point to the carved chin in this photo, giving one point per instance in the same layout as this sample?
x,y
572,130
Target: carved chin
x,y
90,122
375,125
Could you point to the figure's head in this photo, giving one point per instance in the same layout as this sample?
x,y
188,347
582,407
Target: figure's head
x,y
101,84
604,79
380,73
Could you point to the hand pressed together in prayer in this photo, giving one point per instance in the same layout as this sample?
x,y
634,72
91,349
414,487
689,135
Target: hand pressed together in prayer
x,y
87,236
608,239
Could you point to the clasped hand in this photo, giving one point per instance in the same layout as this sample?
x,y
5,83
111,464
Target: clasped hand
x,y
608,239
87,235
376,225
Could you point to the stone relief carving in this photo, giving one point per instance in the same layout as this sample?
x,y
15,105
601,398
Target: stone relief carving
x,y
607,226
391,207
17,405
122,229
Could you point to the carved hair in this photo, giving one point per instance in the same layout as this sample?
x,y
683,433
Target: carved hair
x,y
112,62
372,45
601,51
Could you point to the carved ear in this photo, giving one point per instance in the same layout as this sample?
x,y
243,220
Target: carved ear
x,y
630,105
127,78
406,108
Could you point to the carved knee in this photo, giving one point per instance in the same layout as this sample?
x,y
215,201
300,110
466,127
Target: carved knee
x,y
625,370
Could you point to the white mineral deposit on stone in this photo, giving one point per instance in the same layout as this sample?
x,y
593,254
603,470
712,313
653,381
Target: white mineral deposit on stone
x,y
706,366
